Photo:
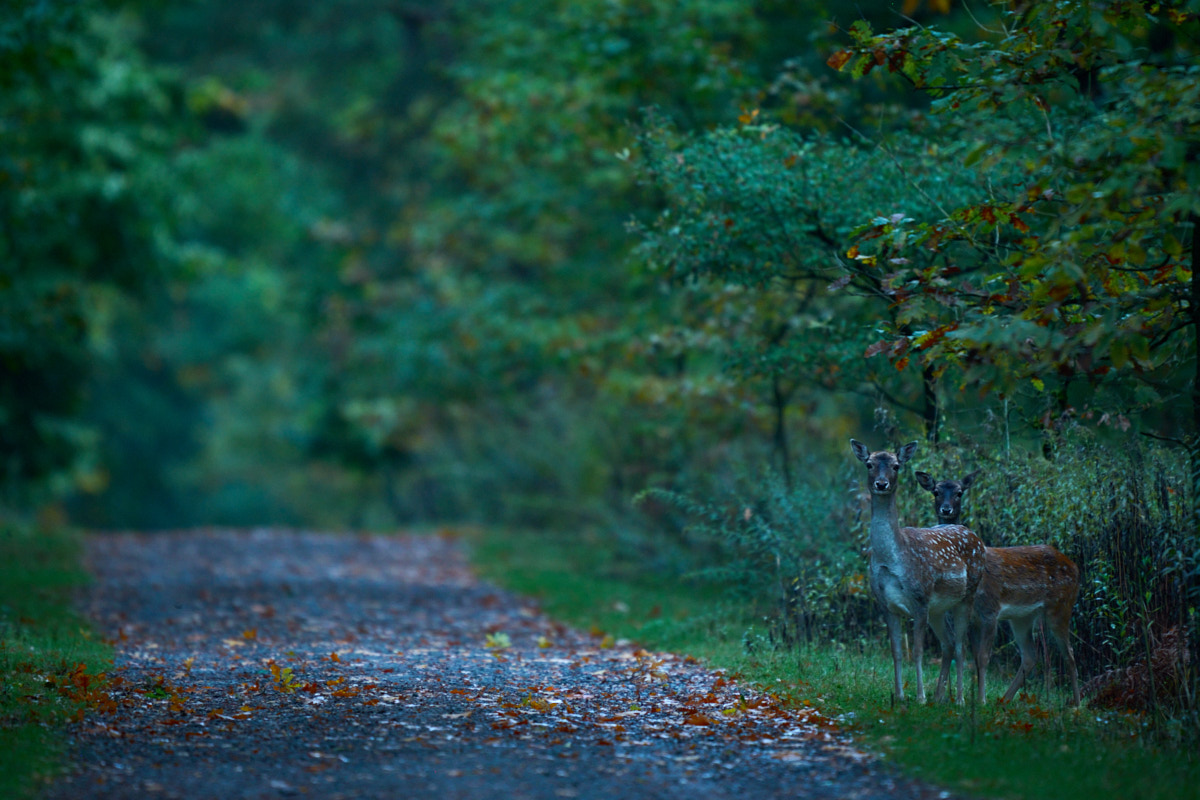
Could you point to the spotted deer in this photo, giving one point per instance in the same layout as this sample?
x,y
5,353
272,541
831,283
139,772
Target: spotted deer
x,y
922,574
1021,585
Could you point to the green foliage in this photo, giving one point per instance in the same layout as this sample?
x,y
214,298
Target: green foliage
x,y
791,555
80,231
774,212
1075,263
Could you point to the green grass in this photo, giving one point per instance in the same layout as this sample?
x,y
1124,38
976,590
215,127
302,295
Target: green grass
x,y
1034,748
49,661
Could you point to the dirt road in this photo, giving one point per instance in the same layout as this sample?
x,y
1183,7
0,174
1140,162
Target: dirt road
x,y
267,664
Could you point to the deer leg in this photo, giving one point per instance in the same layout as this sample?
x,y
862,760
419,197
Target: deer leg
x,y
895,633
983,638
1060,629
1045,650
961,617
938,623
1023,632
920,620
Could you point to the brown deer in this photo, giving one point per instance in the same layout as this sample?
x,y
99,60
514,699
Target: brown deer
x,y
1020,584
922,574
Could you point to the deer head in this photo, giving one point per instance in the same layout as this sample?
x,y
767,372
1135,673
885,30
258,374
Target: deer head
x,y
947,495
883,468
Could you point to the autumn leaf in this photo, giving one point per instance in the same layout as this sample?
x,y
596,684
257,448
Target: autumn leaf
x,y
498,641
875,349
285,680
539,703
839,59
840,283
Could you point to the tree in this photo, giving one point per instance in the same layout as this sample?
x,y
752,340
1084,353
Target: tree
x,y
1079,265
80,232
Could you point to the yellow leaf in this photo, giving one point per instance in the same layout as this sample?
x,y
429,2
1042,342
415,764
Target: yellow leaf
x,y
1038,384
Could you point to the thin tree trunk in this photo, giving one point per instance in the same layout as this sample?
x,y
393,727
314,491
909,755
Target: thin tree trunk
x,y
1193,441
1193,447
929,412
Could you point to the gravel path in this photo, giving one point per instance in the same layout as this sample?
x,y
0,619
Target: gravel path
x,y
269,664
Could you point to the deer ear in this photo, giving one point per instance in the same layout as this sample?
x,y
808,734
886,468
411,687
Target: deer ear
x,y
905,453
925,480
860,450
969,479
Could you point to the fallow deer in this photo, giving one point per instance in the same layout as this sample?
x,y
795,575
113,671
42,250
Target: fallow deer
x,y
1021,585
923,574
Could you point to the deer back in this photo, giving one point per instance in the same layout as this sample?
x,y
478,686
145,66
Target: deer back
x,y
947,561
1021,579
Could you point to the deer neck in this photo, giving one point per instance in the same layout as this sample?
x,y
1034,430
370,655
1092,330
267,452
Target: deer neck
x,y
884,528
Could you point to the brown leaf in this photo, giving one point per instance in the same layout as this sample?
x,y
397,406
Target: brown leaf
x,y
875,349
839,59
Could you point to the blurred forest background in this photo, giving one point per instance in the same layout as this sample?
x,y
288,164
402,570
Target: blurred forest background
x,y
623,271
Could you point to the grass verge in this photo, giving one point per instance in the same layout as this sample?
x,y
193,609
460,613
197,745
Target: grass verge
x,y
1034,748
50,665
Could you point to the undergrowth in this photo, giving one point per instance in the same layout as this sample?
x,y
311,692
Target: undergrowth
x,y
51,669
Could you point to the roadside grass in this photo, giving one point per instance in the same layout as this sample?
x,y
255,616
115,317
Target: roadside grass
x,y
50,664
1035,748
